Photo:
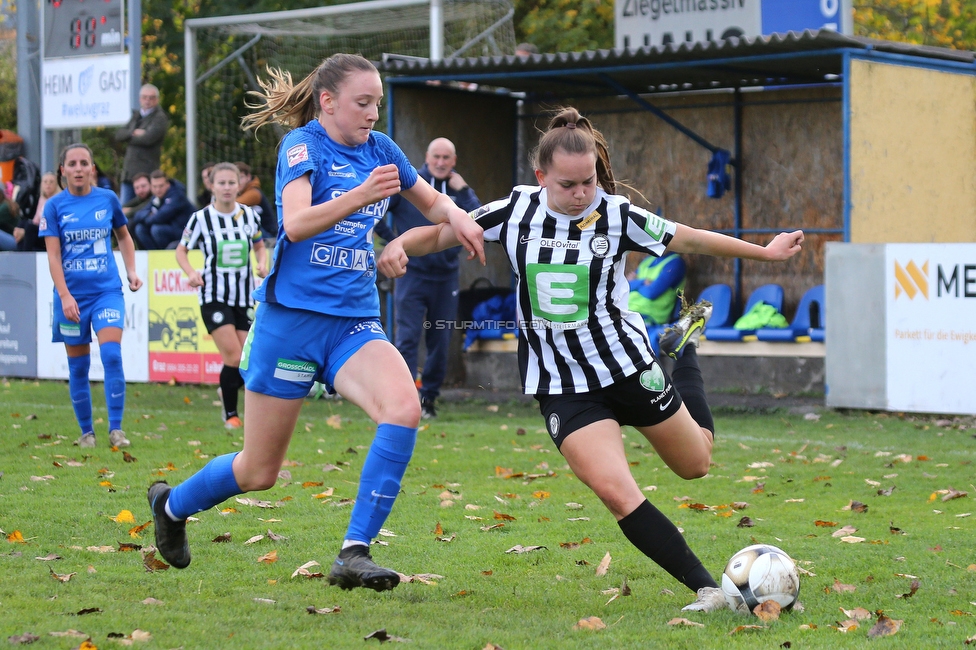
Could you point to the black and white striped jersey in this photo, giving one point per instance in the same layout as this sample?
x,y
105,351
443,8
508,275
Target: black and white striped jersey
x,y
226,241
576,333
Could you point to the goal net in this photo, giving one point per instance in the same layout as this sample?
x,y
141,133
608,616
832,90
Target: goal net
x,y
233,51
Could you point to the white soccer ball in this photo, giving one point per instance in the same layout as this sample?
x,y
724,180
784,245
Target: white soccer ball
x,y
759,573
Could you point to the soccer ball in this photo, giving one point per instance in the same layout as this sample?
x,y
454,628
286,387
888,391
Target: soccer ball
x,y
759,573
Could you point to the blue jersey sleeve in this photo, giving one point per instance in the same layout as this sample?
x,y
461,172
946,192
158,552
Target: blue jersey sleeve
x,y
49,226
393,154
118,217
296,157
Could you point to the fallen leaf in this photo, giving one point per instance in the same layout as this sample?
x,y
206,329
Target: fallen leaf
x,y
274,537
254,540
312,609
266,601
846,530
129,458
334,421
269,558
50,557
222,538
124,517
858,613
304,570
684,621
852,539
841,588
590,623
911,592
423,578
61,577
503,516
134,531
152,601
604,566
519,549
574,506
23,639
381,636
308,484
89,610
767,611
950,495
825,524
884,627
846,626
748,628
745,522
153,564
69,633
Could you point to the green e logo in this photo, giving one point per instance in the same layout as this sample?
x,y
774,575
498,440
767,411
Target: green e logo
x,y
559,293
232,254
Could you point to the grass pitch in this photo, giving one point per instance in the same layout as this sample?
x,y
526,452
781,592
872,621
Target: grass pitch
x,y
484,479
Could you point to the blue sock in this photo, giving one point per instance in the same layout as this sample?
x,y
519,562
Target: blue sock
x,y
213,484
80,391
114,383
379,482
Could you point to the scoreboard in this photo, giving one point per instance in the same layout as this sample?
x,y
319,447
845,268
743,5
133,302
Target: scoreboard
x,y
83,28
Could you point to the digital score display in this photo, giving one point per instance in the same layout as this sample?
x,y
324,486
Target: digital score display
x,y
82,27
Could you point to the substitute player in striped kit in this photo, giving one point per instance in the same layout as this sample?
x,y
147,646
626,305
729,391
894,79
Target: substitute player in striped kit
x,y
582,353
226,232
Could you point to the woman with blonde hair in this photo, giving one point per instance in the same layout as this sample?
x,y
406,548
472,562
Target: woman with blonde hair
x,y
318,312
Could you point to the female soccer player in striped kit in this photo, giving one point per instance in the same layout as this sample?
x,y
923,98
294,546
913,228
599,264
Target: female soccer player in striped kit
x,y
318,317
227,232
582,354
77,227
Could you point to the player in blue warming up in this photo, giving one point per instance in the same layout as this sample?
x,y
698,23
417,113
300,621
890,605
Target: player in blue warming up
x,y
318,317
77,226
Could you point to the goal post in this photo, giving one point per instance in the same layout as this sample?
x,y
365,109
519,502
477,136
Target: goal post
x,y
223,56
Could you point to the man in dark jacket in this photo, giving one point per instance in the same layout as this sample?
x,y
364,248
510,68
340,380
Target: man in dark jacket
x,y
144,134
160,224
429,290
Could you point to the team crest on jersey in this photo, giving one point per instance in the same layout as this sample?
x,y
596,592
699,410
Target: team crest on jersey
x,y
600,245
554,425
591,219
653,379
100,214
297,154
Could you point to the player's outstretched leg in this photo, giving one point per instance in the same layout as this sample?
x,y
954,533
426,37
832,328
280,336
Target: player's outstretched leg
x,y
355,568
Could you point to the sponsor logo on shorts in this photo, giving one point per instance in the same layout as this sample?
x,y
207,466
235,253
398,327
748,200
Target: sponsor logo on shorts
x,y
653,379
553,425
297,154
70,329
590,219
109,315
293,370
600,245
218,317
664,406
559,243
367,326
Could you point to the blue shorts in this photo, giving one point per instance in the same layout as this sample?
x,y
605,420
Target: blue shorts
x,y
97,310
287,350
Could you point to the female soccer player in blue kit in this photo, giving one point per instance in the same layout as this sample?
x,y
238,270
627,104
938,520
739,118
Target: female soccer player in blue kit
x,y
318,317
77,226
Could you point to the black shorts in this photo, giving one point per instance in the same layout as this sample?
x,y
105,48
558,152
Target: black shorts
x,y
641,400
218,314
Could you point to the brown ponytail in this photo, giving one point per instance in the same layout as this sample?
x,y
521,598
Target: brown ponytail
x,y
295,105
574,134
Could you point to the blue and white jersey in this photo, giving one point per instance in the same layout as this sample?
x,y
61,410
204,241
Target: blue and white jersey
x,y
84,226
333,272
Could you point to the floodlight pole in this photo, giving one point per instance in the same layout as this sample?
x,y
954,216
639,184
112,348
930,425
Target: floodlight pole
x,y
436,30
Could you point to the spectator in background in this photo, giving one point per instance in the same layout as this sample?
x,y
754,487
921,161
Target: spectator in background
x,y
252,195
205,196
101,179
526,49
26,231
9,211
654,287
143,195
160,224
144,134
428,292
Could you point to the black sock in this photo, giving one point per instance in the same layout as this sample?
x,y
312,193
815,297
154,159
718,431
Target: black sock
x,y
656,537
687,380
229,383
